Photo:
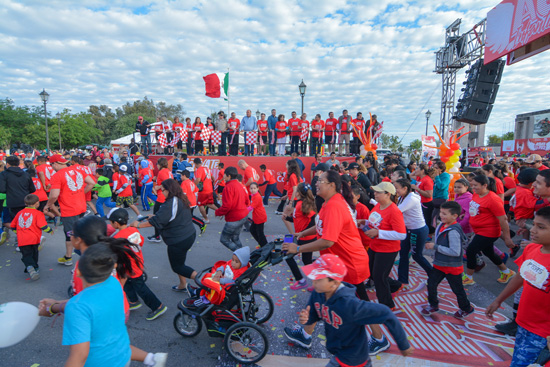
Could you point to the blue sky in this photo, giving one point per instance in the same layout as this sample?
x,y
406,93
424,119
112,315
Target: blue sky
x,y
368,56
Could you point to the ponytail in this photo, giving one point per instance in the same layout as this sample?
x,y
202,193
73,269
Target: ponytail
x,y
308,200
122,248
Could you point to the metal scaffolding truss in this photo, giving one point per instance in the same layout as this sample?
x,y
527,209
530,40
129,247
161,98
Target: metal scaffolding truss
x,y
458,52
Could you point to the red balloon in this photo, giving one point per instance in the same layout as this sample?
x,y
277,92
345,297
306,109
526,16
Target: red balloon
x,y
374,146
444,159
449,153
455,146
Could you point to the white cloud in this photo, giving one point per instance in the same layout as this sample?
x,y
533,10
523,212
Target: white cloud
x,y
364,56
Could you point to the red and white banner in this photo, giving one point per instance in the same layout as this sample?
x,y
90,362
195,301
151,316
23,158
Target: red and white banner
x,y
216,137
205,134
251,137
513,24
304,134
162,140
427,151
539,146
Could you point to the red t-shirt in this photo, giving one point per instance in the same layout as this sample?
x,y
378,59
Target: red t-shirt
x,y
500,186
330,126
509,183
197,129
281,125
317,125
164,174
262,126
426,184
363,213
72,199
269,176
304,124
190,189
48,173
360,124
290,183
302,221
40,192
484,212
178,126
204,176
534,268
145,172
344,128
221,181
250,173
29,224
295,127
335,223
389,219
542,167
136,239
524,204
234,124
259,214
123,180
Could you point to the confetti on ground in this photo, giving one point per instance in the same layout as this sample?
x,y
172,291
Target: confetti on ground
x,y
212,345
321,336
35,365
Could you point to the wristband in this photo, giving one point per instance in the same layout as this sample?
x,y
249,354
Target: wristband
x,y
297,249
50,309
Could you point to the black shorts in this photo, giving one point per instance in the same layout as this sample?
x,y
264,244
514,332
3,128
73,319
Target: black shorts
x,y
68,224
124,201
264,139
42,205
328,139
220,189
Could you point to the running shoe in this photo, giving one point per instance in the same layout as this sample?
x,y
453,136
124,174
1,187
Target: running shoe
x,y
33,273
134,305
376,347
278,212
509,328
301,284
154,239
203,228
467,281
428,310
141,218
160,359
460,314
152,315
3,238
505,278
514,251
42,240
68,261
296,334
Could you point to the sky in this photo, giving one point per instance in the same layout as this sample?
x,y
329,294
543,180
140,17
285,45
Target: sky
x,y
372,56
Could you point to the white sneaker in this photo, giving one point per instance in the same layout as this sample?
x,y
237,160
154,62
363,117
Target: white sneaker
x,y
42,240
160,359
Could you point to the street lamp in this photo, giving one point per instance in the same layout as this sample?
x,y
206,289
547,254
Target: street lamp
x,y
58,115
302,88
258,113
45,96
428,114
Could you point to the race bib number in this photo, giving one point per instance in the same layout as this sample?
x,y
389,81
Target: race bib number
x,y
536,275
375,219
474,208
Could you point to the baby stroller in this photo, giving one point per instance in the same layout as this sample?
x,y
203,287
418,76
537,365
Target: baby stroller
x,y
238,317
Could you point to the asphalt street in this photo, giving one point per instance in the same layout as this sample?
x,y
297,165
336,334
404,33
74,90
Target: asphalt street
x,y
43,347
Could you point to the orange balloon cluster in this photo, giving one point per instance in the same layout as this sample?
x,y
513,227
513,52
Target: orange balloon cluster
x,y
368,145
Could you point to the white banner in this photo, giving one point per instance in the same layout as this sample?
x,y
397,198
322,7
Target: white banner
x,y
428,152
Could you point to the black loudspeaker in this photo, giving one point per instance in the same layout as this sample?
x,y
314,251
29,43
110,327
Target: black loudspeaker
x,y
480,91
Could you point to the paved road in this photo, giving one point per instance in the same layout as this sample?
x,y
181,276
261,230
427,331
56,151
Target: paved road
x,y
43,347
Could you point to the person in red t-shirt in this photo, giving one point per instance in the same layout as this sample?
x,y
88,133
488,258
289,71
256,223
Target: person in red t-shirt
x,y
270,179
488,220
135,284
125,198
76,162
178,129
198,127
163,174
533,318
387,230
190,143
362,212
294,124
250,174
425,188
489,171
281,126
191,190
331,125
259,216
69,188
535,161
317,127
359,123
203,180
210,126
42,195
45,172
234,124
304,133
220,182
263,128
29,224
344,128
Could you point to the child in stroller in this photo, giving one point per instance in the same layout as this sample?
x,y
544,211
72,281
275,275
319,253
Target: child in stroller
x,y
221,276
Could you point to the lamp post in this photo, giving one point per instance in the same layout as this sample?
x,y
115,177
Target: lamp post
x,y
45,96
428,114
258,113
302,88
58,115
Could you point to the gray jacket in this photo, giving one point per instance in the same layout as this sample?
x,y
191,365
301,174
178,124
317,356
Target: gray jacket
x,y
448,245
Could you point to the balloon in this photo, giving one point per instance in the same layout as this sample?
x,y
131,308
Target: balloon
x,y
375,146
449,153
375,156
457,164
444,159
455,146
457,153
363,151
448,165
453,159
453,170
18,320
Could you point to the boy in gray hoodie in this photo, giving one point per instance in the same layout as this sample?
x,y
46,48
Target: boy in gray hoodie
x,y
447,264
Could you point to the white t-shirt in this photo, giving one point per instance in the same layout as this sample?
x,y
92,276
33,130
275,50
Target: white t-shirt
x,y
412,211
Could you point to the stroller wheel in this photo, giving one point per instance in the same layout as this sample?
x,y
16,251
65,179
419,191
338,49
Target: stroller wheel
x,y
260,309
70,291
246,342
144,276
187,325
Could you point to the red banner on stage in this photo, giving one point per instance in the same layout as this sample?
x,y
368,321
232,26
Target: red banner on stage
x,y
539,146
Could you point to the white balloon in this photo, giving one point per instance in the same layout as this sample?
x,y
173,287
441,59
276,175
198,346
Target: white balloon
x,y
18,320
458,164
454,170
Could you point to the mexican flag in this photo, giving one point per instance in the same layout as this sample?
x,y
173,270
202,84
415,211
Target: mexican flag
x,y
217,85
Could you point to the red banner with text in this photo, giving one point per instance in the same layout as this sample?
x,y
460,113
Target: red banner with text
x,y
539,146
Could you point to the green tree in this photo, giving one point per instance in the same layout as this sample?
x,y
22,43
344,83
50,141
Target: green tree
x,y
508,136
494,139
391,142
104,119
415,144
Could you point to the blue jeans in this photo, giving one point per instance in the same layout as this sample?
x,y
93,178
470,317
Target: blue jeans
x,y
527,348
230,234
271,189
147,192
416,239
146,144
104,201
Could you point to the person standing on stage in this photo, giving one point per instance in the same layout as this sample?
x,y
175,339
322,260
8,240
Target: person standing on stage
x,y
272,137
248,124
233,138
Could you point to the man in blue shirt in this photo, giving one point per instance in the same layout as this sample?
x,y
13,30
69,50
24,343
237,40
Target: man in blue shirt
x,y
248,124
271,123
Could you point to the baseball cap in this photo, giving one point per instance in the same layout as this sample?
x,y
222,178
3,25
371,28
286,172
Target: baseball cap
x,y
119,215
534,158
353,165
58,158
123,168
384,187
140,159
326,266
321,167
